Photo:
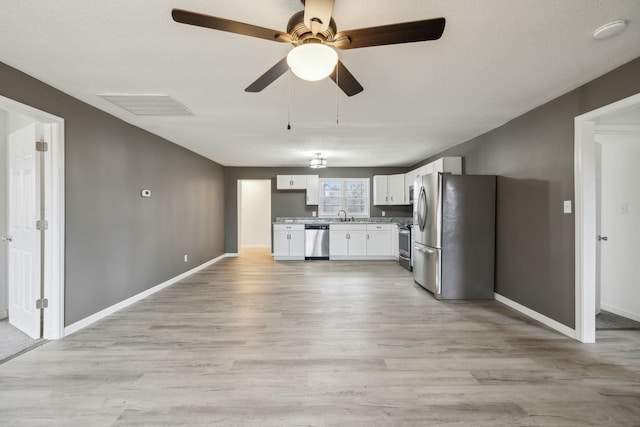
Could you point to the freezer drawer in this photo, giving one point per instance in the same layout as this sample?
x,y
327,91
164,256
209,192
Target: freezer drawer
x,y
426,267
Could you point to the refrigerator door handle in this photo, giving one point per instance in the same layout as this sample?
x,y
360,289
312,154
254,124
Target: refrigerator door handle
x,y
422,208
424,249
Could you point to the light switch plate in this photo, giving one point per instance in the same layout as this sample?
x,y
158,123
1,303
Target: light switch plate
x,y
567,206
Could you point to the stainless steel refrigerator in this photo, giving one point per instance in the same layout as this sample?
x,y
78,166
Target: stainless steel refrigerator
x,y
454,229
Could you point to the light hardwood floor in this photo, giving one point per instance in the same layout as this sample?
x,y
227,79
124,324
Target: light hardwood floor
x,y
254,342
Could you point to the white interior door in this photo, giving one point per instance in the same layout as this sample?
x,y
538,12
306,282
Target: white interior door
x,y
25,247
619,225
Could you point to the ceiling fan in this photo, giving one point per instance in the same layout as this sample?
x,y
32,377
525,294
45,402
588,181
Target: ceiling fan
x,y
314,26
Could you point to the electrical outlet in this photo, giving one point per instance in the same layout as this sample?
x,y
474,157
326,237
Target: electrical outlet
x,y
313,213
186,258
384,213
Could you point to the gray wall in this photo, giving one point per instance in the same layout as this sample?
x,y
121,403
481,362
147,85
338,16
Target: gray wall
x,y
117,243
293,202
533,158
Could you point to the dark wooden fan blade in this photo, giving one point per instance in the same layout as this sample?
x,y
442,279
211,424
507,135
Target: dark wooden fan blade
x,y
345,80
207,21
406,32
269,77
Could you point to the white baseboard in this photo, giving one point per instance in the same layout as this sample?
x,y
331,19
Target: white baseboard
x,y
563,329
74,327
620,312
4,314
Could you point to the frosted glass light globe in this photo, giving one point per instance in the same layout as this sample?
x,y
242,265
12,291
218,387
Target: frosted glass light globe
x,y
312,61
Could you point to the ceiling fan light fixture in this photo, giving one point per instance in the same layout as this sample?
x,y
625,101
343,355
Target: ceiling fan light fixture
x,y
312,61
318,162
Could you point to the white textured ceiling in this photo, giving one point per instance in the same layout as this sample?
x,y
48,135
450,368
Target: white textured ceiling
x,y
496,60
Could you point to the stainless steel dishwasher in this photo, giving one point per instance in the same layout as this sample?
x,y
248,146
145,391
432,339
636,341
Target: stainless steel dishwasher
x,y
316,241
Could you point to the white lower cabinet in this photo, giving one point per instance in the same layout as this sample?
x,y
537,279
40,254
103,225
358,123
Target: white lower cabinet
x,y
347,241
338,243
379,240
288,241
360,241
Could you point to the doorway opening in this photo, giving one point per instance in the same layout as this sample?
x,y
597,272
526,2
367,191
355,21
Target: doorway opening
x,y
32,208
254,214
620,118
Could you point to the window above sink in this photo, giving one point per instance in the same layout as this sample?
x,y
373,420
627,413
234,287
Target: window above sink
x,y
349,194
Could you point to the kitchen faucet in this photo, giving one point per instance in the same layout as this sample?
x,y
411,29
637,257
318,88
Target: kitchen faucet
x,y
345,215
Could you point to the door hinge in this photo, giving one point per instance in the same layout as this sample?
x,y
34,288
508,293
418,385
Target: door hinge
x,y
42,225
42,146
42,303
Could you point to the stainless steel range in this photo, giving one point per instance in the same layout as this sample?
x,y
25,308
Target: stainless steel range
x,y
404,246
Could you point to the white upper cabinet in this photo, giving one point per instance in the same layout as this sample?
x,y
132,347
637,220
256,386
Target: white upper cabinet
x,y
389,190
396,190
448,164
445,164
291,182
312,189
300,182
380,189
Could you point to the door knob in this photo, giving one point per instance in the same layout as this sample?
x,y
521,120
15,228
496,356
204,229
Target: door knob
x,y
6,239
605,238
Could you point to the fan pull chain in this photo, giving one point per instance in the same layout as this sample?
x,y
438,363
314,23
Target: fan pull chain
x,y
289,104
337,95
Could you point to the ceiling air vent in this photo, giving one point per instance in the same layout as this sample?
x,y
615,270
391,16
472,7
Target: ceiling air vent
x,y
147,104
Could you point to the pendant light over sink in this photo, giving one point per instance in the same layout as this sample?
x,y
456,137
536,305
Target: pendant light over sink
x,y
318,162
